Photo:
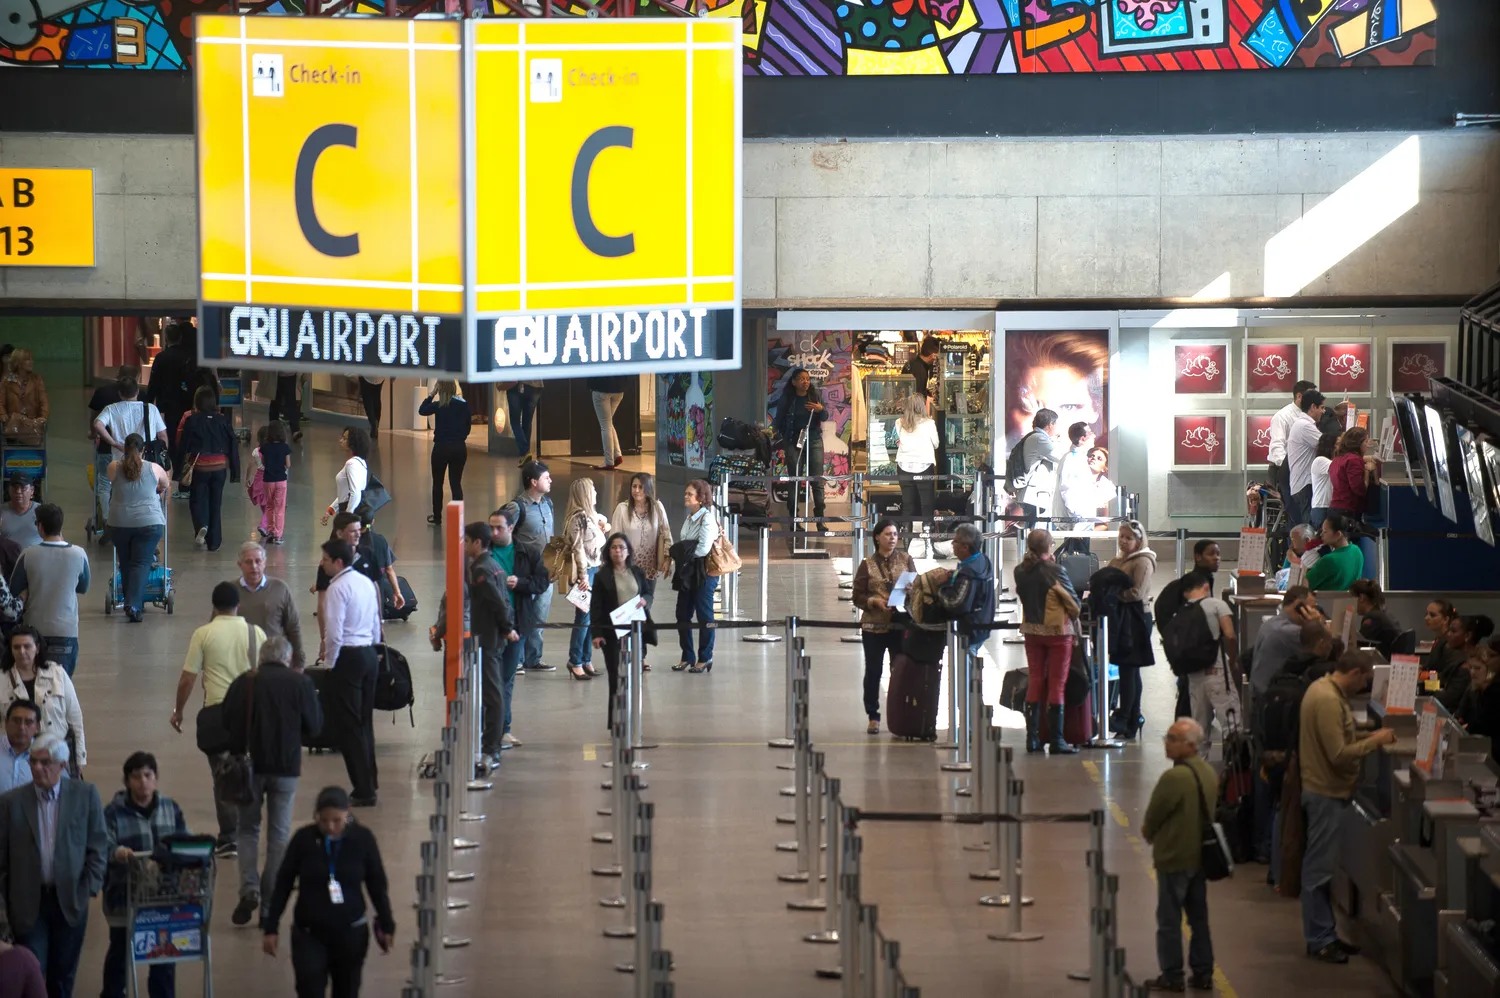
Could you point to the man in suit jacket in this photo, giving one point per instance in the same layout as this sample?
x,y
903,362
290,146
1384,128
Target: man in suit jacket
x,y
52,861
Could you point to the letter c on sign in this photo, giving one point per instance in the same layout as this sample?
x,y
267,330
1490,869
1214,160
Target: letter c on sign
x,y
317,143
620,136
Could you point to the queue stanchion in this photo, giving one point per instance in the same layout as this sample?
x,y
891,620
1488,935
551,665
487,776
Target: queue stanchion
x,y
634,656
447,875
473,782
1000,778
427,901
1098,640
833,825
950,654
1181,549
640,895
801,705
733,611
814,841
992,764
857,551
800,765
619,750
801,754
958,701
616,734
851,846
869,949
763,636
1018,899
453,739
785,741
629,854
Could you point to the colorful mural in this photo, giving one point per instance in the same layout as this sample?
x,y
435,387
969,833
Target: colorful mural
x,y
859,37
828,357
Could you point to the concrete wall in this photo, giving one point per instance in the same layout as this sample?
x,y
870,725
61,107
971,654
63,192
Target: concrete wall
x,y
956,222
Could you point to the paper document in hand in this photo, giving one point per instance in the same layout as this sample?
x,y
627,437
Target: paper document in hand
x,y
622,615
580,597
897,599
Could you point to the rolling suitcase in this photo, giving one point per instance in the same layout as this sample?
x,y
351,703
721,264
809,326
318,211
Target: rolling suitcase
x,y
1079,569
911,702
1078,723
388,609
324,740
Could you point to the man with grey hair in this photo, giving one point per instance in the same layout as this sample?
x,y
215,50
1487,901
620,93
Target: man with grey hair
x,y
968,594
266,602
269,712
1174,826
52,860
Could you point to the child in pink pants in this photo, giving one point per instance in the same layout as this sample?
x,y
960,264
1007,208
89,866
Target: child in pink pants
x,y
275,459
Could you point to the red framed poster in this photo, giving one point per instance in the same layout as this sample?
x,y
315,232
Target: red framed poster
x,y
1200,442
1201,368
1257,438
1414,362
1345,367
1272,368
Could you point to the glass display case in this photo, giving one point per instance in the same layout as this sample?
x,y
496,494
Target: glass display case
x,y
965,396
885,396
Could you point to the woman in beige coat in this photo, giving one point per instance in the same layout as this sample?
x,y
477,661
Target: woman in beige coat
x,y
1128,650
584,530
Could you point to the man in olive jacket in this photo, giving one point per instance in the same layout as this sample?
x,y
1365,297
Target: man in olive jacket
x,y
1174,827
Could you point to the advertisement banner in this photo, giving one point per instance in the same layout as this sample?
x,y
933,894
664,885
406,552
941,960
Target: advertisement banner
x,y
1201,368
1345,368
1200,442
1066,371
685,420
168,933
1272,368
1415,363
1257,438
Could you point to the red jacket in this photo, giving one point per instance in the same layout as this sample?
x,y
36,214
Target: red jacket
x,y
1347,473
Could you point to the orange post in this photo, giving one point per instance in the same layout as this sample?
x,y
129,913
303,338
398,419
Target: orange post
x,y
453,585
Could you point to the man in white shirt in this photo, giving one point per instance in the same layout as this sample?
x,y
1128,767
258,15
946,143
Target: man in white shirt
x,y
351,629
1301,448
1079,488
119,420
1281,423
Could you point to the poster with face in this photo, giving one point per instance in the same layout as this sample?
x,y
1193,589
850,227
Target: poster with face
x,y
1257,438
1200,442
1066,371
1414,362
1272,368
826,356
1201,368
1345,368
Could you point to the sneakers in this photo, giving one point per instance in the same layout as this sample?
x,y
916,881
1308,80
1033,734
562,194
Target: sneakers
x,y
1332,953
180,494
362,801
226,850
245,910
200,539
539,667
1201,983
510,741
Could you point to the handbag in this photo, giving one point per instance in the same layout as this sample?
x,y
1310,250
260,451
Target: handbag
x,y
722,558
234,772
373,498
1215,858
186,478
152,449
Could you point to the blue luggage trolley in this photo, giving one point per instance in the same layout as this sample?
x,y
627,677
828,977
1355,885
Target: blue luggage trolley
x,y
159,587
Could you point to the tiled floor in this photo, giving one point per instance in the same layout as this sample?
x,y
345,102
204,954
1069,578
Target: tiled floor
x,y
535,921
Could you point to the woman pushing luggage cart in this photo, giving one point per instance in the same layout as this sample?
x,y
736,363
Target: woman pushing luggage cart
x,y
139,490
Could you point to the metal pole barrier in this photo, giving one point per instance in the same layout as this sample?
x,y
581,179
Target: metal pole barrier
x,y
958,699
460,768
763,636
630,804
847,937
814,900
618,750
890,949
802,753
996,774
869,947
801,669
439,825
833,826
1181,544
635,658
473,780
641,901
854,912
1098,640
1383,557
1018,896
952,656
1095,862
791,675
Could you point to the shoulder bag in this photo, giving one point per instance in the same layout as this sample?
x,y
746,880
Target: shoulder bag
x,y
374,496
722,558
1216,860
234,772
153,449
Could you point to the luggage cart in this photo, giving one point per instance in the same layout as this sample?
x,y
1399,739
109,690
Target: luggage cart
x,y
168,906
232,398
25,458
96,524
160,591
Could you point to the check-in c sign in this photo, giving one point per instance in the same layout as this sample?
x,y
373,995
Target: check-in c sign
x,y
608,137
322,138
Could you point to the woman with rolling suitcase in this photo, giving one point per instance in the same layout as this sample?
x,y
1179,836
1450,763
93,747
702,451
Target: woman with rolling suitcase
x,y
873,581
1049,608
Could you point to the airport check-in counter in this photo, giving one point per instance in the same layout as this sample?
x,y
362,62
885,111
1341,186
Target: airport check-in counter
x,y
1410,849
1469,947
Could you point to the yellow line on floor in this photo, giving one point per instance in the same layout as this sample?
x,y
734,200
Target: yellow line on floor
x,y
1123,820
589,754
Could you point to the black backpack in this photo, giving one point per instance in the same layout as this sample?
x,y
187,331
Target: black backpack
x,y
393,686
1278,711
1189,642
1016,469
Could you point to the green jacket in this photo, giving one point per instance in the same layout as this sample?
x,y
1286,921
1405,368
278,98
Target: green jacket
x,y
1337,569
1174,819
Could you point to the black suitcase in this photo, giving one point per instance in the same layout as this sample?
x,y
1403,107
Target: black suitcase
x,y
388,604
324,740
1079,569
393,685
911,702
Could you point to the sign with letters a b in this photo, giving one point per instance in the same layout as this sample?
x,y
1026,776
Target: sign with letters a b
x,y
595,165
46,218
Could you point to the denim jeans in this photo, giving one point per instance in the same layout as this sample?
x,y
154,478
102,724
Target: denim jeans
x,y
876,647
580,641
522,401
1179,894
605,404
1320,856
161,979
1266,813
538,609
56,944
135,549
510,662
279,794
492,690
698,601
63,651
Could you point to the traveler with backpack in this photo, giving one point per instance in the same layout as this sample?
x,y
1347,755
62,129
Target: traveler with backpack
x,y
1174,825
1129,630
1329,756
532,525
1200,644
1170,600
1031,472
1049,607
873,581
